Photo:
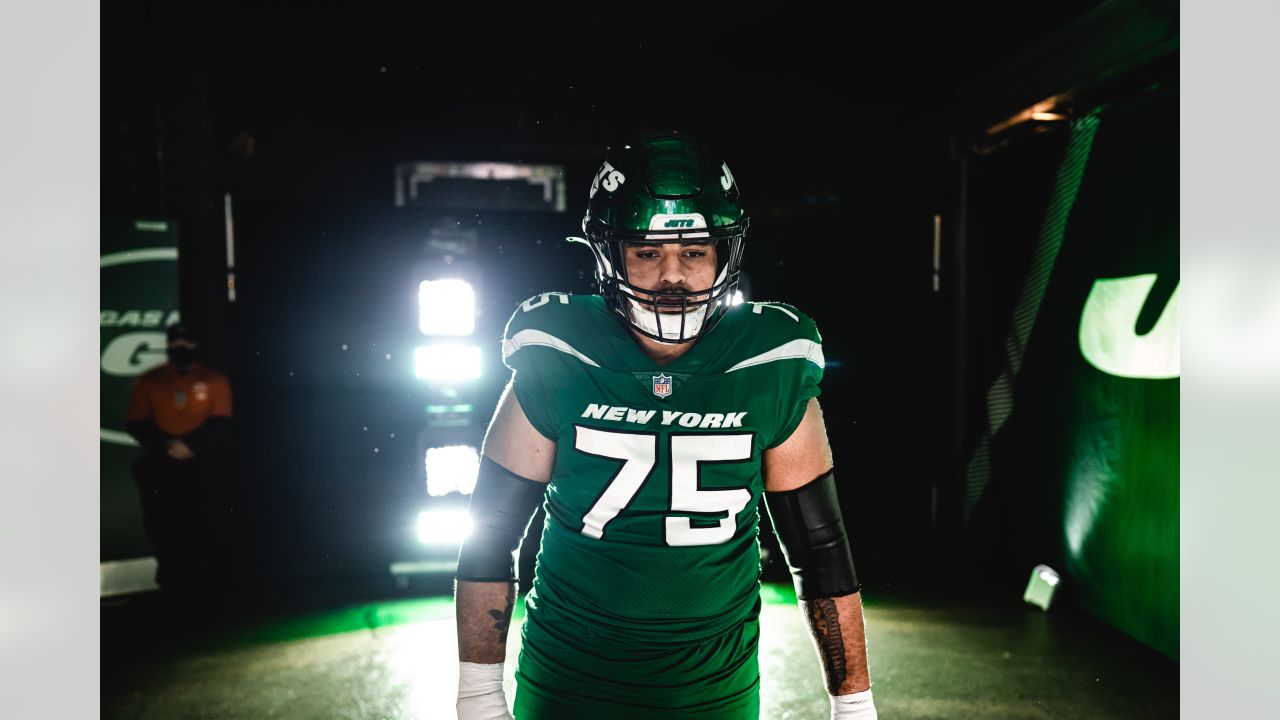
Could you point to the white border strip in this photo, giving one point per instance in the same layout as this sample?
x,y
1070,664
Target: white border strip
x,y
800,349
538,337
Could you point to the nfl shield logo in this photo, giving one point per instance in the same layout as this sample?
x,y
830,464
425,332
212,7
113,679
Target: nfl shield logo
x,y
661,385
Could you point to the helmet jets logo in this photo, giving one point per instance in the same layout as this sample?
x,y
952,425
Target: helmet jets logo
x,y
678,221
726,180
609,177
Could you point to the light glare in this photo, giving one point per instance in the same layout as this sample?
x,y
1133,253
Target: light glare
x,y
452,468
443,527
446,307
447,362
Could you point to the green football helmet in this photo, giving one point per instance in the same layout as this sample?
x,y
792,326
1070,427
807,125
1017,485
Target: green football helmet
x,y
665,187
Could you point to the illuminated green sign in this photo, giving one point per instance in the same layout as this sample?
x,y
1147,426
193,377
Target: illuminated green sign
x,y
1107,338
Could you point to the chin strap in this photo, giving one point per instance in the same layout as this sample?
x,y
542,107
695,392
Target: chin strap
x,y
647,320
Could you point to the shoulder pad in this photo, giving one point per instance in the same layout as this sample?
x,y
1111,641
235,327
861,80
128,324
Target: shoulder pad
x,y
786,320
554,320
768,331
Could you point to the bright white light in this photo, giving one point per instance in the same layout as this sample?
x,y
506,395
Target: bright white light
x,y
447,362
443,527
736,298
446,307
452,469
1044,580
120,577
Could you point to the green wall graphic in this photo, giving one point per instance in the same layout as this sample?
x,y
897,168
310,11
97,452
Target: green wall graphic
x,y
1107,336
139,299
1082,474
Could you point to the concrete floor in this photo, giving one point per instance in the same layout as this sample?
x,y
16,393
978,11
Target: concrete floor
x,y
397,659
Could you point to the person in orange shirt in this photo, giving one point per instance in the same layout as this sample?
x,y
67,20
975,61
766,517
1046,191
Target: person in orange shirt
x,y
180,413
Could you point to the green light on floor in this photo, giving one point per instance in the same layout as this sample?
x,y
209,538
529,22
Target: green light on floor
x,y
777,594
372,616
1107,338
367,616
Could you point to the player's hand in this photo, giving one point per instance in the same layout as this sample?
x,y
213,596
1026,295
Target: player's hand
x,y
855,706
480,695
179,450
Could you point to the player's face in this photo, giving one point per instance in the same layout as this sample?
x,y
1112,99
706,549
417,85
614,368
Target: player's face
x,y
672,266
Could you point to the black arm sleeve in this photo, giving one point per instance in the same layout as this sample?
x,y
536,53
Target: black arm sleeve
x,y
211,434
811,531
501,507
150,437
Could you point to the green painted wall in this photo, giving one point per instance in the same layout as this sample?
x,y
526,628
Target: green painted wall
x,y
1084,470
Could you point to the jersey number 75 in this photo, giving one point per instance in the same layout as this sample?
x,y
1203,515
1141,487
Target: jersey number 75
x,y
639,453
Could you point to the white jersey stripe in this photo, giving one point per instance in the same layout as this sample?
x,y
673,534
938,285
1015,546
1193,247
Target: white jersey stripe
x,y
796,349
538,337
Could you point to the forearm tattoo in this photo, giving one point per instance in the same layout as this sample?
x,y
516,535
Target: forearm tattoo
x,y
502,618
824,621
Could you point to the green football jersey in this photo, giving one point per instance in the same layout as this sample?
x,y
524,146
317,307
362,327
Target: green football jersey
x,y
646,591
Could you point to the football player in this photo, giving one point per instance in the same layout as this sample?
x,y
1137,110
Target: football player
x,y
650,421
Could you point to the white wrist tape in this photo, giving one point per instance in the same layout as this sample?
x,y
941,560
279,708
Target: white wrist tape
x,y
855,706
480,695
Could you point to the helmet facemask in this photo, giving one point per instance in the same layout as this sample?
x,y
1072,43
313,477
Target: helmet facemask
x,y
673,315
